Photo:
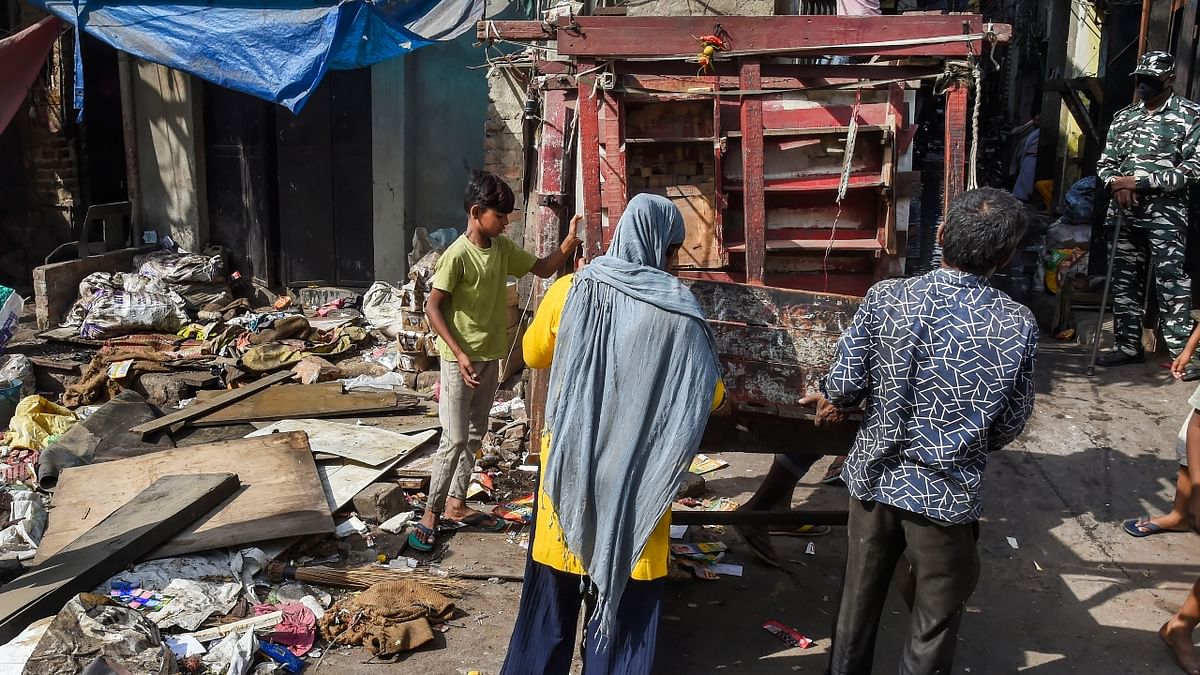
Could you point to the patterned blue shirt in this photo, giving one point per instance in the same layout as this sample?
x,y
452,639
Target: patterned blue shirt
x,y
945,363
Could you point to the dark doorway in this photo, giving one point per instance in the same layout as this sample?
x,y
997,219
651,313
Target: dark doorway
x,y
239,136
324,159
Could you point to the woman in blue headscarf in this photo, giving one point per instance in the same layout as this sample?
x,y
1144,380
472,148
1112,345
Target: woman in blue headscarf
x,y
635,378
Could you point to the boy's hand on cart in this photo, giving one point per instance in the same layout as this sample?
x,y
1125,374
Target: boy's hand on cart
x,y
572,241
827,413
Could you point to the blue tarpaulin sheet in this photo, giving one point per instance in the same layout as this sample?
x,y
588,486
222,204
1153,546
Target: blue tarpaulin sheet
x,y
277,50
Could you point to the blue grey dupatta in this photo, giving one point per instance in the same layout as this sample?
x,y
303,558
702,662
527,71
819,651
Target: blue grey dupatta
x,y
630,392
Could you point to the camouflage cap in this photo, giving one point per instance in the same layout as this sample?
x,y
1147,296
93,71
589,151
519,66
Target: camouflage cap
x,y
1155,64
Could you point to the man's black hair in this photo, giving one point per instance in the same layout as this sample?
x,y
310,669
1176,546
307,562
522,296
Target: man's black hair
x,y
490,192
982,229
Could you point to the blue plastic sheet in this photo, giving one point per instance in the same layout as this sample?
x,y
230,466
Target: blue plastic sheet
x,y
277,50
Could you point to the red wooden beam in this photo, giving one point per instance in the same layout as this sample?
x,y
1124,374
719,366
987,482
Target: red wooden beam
x,y
613,165
956,142
754,201
552,176
779,76
650,36
588,112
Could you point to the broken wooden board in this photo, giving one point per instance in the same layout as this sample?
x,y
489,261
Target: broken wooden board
x,y
299,401
168,505
214,403
341,478
363,444
281,494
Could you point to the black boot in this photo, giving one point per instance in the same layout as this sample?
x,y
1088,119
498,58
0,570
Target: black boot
x,y
1118,357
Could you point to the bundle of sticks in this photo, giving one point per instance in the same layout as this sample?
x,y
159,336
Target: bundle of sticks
x,y
362,577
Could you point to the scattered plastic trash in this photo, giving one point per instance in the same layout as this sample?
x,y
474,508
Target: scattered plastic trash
x,y
386,382
1012,541
282,656
811,549
184,646
702,464
397,523
727,569
10,313
233,655
678,531
787,634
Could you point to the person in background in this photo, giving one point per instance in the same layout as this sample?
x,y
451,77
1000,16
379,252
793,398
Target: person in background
x,y
635,378
943,365
1151,156
1177,631
467,310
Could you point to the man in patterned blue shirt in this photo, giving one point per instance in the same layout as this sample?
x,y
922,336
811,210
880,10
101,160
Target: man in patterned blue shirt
x,y
943,365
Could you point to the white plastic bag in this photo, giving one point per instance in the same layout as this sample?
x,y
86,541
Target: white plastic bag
x,y
10,313
119,313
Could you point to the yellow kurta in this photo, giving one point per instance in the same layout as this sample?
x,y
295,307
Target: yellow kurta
x,y
549,548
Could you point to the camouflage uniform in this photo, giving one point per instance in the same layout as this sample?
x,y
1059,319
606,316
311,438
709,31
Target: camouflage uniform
x,y
1162,150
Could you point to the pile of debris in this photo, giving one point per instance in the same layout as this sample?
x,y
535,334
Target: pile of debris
x,y
248,527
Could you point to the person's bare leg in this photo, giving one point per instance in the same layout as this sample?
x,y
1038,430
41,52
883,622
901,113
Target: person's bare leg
x,y
1176,520
1177,632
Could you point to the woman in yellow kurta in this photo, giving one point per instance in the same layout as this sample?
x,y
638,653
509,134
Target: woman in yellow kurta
x,y
557,582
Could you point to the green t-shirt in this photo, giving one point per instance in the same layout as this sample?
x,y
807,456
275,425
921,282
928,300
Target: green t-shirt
x,y
475,280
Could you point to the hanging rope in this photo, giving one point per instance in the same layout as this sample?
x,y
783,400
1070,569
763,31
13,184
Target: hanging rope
x,y
844,182
973,160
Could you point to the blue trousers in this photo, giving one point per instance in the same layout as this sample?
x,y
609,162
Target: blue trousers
x,y
543,639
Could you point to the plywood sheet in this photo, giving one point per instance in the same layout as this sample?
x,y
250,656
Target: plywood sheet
x,y
363,444
165,507
702,245
298,401
281,494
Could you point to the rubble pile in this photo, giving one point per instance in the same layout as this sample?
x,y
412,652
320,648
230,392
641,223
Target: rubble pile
x,y
324,419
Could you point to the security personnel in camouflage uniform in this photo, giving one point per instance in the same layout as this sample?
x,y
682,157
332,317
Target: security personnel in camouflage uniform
x,y
1151,156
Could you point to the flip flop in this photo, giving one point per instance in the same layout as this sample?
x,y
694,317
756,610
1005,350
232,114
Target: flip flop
x,y
415,541
1143,527
803,531
482,520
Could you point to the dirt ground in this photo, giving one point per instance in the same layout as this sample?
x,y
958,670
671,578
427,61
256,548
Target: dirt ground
x,y
1077,596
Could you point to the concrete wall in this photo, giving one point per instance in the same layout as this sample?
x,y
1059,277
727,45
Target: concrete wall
x,y
389,162
170,144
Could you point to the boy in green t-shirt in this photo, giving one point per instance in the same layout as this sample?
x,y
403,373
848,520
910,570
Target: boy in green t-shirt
x,y
468,311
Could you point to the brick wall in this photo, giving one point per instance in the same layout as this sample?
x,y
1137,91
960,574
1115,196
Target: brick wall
x,y
502,140
32,229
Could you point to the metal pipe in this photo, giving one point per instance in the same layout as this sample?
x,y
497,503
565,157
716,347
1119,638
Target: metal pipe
x,y
129,130
1112,260
1144,28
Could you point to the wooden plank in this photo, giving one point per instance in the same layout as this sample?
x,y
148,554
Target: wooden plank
x,y
616,192
588,110
514,30
701,247
280,496
754,201
297,401
650,36
355,442
661,74
216,403
774,344
956,143
1185,50
152,515
771,306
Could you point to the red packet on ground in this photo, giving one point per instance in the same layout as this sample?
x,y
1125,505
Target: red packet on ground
x,y
788,634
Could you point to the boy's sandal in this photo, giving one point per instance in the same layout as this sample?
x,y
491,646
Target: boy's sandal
x,y
803,531
484,522
424,542
1144,527
759,543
